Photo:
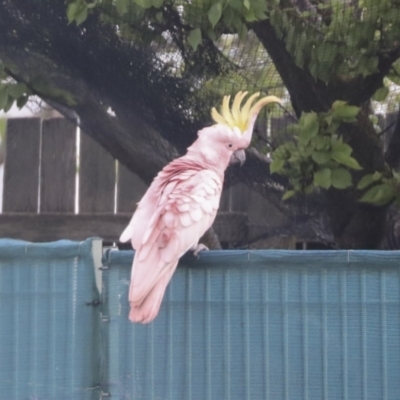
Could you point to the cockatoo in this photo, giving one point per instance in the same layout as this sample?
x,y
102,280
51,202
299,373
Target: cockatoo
x,y
182,202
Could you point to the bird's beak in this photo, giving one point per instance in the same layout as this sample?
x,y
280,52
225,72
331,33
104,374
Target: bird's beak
x,y
239,156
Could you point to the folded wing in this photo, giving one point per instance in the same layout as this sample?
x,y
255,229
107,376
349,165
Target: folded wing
x,y
168,222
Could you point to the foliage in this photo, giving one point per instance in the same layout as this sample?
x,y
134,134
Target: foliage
x,y
201,18
339,40
383,188
11,92
186,26
334,41
317,156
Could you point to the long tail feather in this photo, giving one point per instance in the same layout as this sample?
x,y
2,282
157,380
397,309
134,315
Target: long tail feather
x,y
150,306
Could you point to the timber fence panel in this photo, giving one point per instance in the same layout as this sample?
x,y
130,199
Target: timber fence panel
x,y
21,171
96,178
58,166
130,189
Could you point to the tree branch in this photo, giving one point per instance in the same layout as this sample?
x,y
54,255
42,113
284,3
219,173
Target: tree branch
x,y
306,93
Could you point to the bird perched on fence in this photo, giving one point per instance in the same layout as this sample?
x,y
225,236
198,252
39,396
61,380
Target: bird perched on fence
x,y
182,202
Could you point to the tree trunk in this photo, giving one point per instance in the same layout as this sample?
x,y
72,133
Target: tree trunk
x,y
354,225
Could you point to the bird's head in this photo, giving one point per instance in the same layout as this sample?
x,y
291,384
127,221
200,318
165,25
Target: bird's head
x,y
233,128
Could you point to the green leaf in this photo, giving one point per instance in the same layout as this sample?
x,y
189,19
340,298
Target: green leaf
x,y
396,175
308,119
211,34
236,4
288,194
344,112
365,181
381,94
72,10
326,53
376,176
293,128
291,39
321,142
320,157
337,104
157,3
378,195
194,38
81,15
308,189
341,178
309,127
122,6
346,160
340,147
394,74
322,178
247,4
328,119
9,103
17,90
159,17
77,11
214,14
21,101
374,119
324,71
144,3
300,50
276,165
249,16
228,15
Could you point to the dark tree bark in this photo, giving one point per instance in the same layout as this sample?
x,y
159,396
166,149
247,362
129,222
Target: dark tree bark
x,y
393,152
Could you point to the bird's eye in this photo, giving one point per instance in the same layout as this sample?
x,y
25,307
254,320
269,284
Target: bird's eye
x,y
230,145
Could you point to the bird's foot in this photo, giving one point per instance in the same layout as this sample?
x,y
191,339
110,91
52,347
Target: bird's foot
x,y
198,248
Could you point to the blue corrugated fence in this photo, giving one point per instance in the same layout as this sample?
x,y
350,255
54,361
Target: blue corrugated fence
x,y
49,336
275,325
240,325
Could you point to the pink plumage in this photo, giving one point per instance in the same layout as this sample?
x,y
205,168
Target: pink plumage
x,y
175,212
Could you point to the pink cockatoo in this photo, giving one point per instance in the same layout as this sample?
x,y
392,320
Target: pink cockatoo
x,y
182,202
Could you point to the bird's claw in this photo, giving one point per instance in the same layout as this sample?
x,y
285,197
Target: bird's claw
x,y
198,248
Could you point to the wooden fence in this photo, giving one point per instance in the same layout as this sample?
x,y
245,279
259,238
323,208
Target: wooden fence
x,y
40,182
61,185
57,186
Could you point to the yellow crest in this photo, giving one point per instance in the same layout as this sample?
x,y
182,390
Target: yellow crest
x,y
241,117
